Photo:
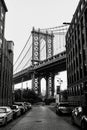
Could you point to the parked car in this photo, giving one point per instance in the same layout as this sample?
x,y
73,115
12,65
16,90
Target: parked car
x,y
63,108
28,105
6,115
25,106
79,117
16,111
21,106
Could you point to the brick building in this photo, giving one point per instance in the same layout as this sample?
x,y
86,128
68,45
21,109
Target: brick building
x,y
76,51
6,61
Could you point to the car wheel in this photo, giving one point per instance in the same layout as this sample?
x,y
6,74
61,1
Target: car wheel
x,y
5,123
12,118
83,125
72,119
56,112
59,113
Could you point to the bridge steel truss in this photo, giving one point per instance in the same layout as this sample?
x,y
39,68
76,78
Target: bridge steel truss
x,y
39,69
43,69
37,36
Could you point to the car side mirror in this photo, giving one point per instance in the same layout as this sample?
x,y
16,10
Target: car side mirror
x,y
76,113
80,109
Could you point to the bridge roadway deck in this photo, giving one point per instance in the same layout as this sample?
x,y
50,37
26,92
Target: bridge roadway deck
x,y
54,64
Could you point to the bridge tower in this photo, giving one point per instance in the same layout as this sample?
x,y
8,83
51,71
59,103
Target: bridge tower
x,y
37,37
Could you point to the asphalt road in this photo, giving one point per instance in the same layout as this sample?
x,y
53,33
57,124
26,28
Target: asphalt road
x,y
40,118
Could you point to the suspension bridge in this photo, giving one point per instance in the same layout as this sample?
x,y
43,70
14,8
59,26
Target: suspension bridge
x,y
44,55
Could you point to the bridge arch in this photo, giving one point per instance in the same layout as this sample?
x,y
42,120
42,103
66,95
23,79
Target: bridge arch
x,y
42,44
43,87
38,39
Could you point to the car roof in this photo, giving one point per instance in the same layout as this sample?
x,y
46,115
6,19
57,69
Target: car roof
x,y
14,105
4,107
18,102
63,103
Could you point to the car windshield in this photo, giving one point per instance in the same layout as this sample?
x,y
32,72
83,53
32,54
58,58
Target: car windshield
x,y
2,110
64,105
13,107
20,105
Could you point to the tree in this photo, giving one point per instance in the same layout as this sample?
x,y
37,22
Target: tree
x,y
27,95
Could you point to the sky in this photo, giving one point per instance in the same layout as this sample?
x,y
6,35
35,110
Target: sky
x,y
22,15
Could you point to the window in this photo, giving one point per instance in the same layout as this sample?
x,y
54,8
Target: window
x,y
82,6
78,14
85,69
77,90
81,72
75,20
2,14
0,43
1,29
81,87
77,75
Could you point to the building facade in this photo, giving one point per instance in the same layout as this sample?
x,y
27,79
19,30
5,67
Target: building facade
x,y
76,51
6,61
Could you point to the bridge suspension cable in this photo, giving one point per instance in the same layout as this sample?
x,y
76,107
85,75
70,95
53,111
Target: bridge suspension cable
x,y
58,40
22,50
58,30
31,58
52,28
27,63
23,58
